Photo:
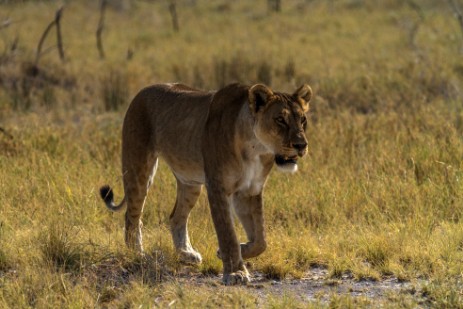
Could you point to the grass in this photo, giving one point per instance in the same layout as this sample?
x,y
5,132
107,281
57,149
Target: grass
x,y
379,195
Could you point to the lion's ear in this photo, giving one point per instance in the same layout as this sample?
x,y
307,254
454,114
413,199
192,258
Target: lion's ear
x,y
305,93
258,96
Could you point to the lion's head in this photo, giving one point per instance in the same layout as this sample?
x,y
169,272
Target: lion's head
x,y
280,122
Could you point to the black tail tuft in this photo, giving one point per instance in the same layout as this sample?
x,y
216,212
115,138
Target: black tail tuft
x,y
106,194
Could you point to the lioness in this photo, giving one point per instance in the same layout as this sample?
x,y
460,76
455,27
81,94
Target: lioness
x,y
228,140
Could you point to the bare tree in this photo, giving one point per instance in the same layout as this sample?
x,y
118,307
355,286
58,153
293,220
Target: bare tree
x,y
100,28
173,14
55,22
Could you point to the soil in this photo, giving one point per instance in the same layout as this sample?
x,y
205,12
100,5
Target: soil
x,y
316,286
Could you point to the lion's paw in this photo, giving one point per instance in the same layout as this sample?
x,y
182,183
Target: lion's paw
x,y
190,257
237,278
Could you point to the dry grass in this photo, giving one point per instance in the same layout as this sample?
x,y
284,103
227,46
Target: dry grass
x,y
380,193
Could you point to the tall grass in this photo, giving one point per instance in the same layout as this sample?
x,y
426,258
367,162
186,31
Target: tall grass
x,y
115,90
379,195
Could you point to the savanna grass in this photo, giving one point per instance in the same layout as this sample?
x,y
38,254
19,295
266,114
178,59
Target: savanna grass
x,y
379,195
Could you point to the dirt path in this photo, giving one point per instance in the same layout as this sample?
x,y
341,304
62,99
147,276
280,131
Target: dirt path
x,y
317,287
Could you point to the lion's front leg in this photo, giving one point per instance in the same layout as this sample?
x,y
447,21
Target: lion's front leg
x,y
249,210
234,271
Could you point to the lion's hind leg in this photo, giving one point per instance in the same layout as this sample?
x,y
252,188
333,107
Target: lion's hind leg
x,y
187,195
136,184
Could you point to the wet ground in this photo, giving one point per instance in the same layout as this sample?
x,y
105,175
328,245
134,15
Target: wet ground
x,y
316,286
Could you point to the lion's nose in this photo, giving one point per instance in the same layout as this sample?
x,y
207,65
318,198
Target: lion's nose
x,y
300,146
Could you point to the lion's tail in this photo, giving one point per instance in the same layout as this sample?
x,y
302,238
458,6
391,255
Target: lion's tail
x,y
107,195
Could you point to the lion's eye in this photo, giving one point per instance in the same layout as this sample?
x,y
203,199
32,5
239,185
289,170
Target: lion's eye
x,y
281,121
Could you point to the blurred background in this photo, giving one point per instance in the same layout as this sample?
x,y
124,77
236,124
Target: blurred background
x,y
362,54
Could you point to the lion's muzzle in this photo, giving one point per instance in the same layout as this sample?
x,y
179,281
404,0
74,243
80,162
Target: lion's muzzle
x,y
283,160
301,149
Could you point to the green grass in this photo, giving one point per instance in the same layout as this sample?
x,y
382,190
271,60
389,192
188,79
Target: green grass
x,y
380,193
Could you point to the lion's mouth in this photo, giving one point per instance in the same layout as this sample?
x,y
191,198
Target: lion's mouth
x,y
283,160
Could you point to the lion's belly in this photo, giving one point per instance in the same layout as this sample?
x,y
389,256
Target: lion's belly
x,y
179,145
191,178
186,170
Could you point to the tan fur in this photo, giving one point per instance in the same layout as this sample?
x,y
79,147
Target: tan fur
x,y
229,141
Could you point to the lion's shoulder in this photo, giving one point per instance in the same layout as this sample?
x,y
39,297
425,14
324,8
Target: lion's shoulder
x,y
229,99
224,113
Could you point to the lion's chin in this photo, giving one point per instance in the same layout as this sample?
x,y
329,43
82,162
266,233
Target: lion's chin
x,y
286,164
